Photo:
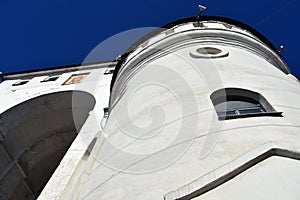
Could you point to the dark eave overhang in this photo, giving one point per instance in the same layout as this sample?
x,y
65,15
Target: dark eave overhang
x,y
58,70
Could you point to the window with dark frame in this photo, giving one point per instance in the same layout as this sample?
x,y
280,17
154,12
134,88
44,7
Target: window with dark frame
x,y
50,79
109,71
21,82
233,103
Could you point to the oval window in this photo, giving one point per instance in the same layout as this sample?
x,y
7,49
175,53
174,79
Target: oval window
x,y
208,52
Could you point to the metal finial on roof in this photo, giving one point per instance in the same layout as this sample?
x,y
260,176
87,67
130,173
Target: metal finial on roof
x,y
281,49
201,9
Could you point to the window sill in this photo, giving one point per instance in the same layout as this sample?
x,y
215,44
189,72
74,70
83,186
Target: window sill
x,y
264,114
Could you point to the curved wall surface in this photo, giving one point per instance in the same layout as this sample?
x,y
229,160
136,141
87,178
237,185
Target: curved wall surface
x,y
164,138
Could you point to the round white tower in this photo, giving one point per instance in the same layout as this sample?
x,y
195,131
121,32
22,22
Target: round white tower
x,y
202,108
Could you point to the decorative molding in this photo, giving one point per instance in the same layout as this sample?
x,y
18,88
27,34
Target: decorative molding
x,y
228,171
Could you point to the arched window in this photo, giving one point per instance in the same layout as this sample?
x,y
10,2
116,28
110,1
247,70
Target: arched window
x,y
236,103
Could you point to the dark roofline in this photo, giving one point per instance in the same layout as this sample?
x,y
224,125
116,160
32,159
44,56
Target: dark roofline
x,y
59,69
204,18
186,20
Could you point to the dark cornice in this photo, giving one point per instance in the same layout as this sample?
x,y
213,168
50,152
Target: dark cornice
x,y
186,20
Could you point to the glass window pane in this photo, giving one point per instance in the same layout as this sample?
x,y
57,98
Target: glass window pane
x,y
232,103
227,113
250,111
237,107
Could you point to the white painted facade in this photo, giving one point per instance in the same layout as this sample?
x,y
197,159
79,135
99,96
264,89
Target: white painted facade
x,y
96,83
163,138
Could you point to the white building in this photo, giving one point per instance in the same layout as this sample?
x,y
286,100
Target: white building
x,y
204,108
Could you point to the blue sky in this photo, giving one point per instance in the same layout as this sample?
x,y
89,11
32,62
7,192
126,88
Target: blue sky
x,y
40,34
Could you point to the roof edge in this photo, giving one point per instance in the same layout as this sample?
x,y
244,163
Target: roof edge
x,y
240,24
204,18
59,69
